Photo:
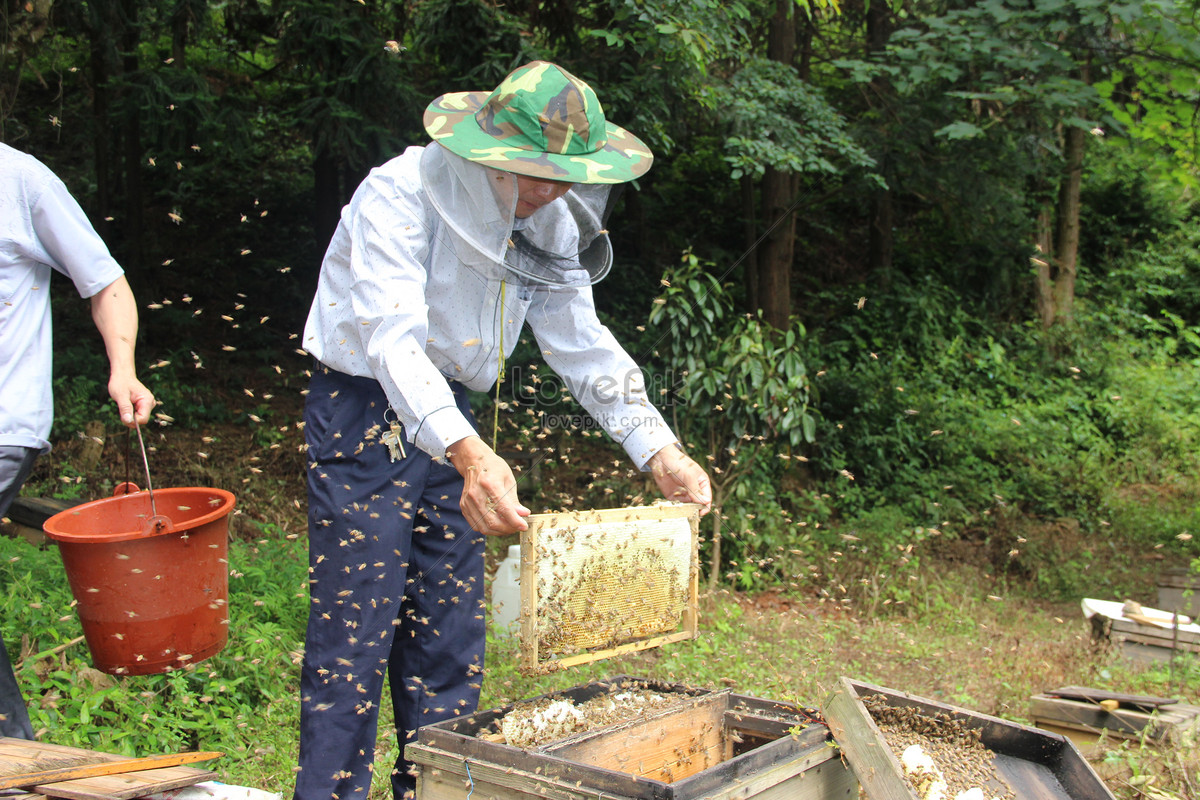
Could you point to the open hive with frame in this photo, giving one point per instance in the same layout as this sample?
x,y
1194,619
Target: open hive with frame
x,y
699,744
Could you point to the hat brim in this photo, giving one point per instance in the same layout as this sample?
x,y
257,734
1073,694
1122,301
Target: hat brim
x,y
450,121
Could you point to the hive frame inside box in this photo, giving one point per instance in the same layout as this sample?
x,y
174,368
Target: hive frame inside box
x,y
617,521
1035,763
773,760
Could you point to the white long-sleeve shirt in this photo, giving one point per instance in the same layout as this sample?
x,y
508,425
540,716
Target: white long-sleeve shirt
x,y
395,303
42,229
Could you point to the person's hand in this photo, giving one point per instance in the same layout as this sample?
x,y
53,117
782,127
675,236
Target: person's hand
x,y
680,478
489,496
134,401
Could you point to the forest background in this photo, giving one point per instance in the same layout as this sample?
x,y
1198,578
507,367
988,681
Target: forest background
x,y
917,280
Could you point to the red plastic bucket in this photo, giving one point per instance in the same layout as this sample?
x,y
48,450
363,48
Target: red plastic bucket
x,y
152,589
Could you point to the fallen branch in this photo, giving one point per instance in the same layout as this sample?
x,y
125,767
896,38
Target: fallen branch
x,y
51,652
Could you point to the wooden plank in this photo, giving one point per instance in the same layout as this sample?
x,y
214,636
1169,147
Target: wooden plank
x,y
828,780
1180,578
1160,637
128,786
1182,599
1140,701
610,652
15,752
663,747
38,777
528,636
34,511
1159,725
443,775
877,769
555,519
691,611
760,769
1145,653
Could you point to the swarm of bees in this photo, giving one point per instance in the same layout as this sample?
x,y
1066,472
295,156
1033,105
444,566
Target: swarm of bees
x,y
537,722
943,758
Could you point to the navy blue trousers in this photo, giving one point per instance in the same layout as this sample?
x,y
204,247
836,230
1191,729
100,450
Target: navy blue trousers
x,y
14,718
15,465
396,589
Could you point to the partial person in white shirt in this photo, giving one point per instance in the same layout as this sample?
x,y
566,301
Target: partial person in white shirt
x,y
441,257
43,230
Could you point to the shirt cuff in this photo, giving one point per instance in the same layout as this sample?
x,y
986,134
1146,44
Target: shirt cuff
x,y
647,439
441,429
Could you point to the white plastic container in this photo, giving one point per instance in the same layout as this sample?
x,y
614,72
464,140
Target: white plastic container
x,y
506,592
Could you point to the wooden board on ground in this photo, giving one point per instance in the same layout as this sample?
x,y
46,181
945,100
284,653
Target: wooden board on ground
x,y
1141,702
1035,763
18,756
1132,719
596,584
711,745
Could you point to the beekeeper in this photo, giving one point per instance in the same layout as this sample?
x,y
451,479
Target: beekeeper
x,y
441,257
43,229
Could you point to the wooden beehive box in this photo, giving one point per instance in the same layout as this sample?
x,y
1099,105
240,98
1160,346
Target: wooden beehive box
x,y
1078,709
1033,762
1150,635
1179,591
595,584
1153,642
718,745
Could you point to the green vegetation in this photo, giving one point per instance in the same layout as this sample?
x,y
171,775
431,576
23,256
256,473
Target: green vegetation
x,y
918,282
960,637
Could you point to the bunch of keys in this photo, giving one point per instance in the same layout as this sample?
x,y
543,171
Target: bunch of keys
x,y
394,439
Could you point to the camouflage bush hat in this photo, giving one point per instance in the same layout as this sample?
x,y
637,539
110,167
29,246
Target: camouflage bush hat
x,y
540,121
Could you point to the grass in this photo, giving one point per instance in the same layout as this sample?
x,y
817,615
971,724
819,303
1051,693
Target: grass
x,y
971,648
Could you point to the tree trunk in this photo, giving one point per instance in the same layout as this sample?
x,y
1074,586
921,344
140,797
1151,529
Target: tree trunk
x,y
750,231
1067,235
880,241
132,140
779,250
774,283
1043,275
180,24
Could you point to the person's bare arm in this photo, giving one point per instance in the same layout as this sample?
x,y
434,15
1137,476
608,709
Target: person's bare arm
x,y
115,313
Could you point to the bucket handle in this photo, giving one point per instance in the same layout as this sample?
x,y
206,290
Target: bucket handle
x,y
146,464
155,523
